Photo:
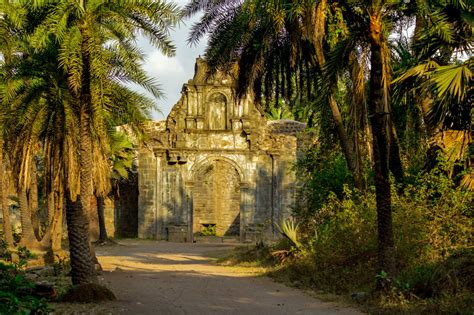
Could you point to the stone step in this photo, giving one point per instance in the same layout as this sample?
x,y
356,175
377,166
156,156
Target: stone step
x,y
216,239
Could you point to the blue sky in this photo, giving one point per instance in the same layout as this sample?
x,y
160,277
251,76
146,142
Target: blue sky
x,y
172,73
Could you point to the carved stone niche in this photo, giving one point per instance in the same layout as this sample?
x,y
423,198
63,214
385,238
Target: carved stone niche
x,y
217,112
180,141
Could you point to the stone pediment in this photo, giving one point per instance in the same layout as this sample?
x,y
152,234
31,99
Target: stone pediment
x,y
210,117
208,105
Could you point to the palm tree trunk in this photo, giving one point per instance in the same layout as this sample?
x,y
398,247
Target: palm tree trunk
x,y
53,234
77,212
349,154
33,200
82,266
4,188
381,133
103,237
395,162
28,237
57,221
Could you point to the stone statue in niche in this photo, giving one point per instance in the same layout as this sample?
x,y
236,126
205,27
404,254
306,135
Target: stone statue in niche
x,y
217,112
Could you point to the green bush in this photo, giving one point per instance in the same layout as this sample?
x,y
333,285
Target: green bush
x,y
209,230
5,253
16,292
24,253
433,225
322,175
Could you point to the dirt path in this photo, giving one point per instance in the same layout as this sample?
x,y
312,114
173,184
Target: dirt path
x,y
151,277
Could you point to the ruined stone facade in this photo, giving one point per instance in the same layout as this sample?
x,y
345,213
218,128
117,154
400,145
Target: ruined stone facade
x,y
215,162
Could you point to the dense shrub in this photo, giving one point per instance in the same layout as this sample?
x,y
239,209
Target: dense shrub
x,y
433,230
322,175
16,292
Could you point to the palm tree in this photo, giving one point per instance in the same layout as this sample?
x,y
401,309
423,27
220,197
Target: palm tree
x,y
264,27
96,53
440,74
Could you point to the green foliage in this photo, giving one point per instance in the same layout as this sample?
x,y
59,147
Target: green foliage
x,y
209,230
289,229
16,293
433,221
24,253
323,174
5,253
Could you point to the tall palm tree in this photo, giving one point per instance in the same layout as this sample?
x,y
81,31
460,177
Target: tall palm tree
x,y
263,27
440,74
97,54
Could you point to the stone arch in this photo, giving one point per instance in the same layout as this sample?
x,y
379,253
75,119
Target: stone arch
x,y
208,160
216,195
217,111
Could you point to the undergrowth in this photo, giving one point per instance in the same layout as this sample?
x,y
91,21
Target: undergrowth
x,y
17,292
433,229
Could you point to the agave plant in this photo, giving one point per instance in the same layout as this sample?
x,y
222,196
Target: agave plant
x,y
289,229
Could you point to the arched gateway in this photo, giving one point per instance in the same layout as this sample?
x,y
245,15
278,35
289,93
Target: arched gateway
x,y
215,164
216,199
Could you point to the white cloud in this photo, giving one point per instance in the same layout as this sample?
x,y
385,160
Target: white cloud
x,y
172,72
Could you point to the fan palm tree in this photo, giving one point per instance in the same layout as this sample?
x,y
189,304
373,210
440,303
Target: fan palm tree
x,y
440,74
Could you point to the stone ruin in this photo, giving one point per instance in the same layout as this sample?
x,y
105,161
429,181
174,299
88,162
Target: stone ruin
x,y
216,163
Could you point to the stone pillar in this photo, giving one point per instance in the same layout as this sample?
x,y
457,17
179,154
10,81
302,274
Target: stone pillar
x,y
188,188
276,192
288,190
147,197
246,194
161,213
200,101
264,189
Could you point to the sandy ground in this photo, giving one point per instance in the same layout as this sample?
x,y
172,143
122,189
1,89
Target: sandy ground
x,y
150,277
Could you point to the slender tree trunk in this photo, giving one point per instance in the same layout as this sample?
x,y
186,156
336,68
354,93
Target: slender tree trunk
x,y
395,162
349,154
33,200
103,237
57,222
53,234
28,237
4,188
381,133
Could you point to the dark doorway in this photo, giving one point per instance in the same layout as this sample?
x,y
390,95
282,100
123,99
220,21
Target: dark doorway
x,y
126,207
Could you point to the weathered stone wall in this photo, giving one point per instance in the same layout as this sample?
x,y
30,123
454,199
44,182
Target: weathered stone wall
x,y
215,160
147,189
